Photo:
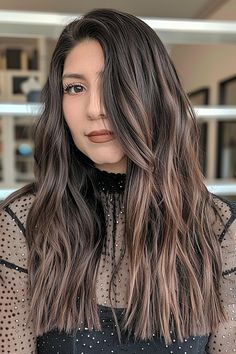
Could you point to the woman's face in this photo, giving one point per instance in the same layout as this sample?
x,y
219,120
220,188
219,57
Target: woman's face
x,y
84,111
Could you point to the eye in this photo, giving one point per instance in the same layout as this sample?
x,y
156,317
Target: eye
x,y
73,89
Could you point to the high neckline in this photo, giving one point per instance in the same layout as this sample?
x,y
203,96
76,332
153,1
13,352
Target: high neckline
x,y
109,181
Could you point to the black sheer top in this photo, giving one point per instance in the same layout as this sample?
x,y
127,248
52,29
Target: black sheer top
x,y
16,336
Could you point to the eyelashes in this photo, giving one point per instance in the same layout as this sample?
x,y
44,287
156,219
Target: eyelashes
x,y
73,89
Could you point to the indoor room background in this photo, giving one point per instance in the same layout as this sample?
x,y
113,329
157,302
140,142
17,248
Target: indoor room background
x,y
200,37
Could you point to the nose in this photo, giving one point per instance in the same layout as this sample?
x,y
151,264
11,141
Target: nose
x,y
95,107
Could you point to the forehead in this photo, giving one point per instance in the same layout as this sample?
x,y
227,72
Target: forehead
x,y
85,56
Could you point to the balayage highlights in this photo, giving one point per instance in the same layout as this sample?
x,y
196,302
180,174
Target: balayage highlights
x,y
175,263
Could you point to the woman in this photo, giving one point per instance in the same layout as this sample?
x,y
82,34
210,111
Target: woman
x,y
117,245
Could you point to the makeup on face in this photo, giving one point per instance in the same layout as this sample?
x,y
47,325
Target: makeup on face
x,y
84,110
101,136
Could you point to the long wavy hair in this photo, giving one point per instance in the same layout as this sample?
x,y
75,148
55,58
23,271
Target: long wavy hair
x,y
174,256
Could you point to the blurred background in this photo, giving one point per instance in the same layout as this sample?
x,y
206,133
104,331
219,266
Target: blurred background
x,y
200,37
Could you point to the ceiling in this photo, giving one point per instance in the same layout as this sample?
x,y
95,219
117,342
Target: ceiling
x,y
146,8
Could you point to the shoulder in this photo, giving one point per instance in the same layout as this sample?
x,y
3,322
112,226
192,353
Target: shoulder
x,y
224,215
14,278
224,206
225,229
19,208
14,250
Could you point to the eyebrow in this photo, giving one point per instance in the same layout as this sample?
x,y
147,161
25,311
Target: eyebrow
x,y
73,76
78,76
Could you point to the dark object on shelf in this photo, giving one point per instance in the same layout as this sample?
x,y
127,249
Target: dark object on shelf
x,y
13,58
33,61
34,96
17,81
24,150
200,97
226,154
23,132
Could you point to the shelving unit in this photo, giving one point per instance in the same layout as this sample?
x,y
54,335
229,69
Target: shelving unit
x,y
16,154
24,149
21,65
19,61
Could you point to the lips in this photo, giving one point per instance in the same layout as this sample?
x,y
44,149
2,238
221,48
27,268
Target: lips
x,y
100,136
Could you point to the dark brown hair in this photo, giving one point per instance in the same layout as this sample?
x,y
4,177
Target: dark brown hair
x,y
174,257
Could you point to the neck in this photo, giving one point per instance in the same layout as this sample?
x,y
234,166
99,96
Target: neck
x,y
119,167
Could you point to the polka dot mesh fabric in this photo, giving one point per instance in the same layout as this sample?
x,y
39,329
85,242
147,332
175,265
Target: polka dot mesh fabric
x,y
224,340
17,334
113,253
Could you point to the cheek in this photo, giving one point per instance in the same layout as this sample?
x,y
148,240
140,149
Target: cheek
x,y
67,108
71,114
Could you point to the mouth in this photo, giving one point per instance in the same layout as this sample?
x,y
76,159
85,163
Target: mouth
x,y
101,136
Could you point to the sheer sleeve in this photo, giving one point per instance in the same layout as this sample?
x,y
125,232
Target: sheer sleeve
x,y
224,339
16,332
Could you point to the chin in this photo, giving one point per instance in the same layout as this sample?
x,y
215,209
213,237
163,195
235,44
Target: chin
x,y
117,164
107,160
